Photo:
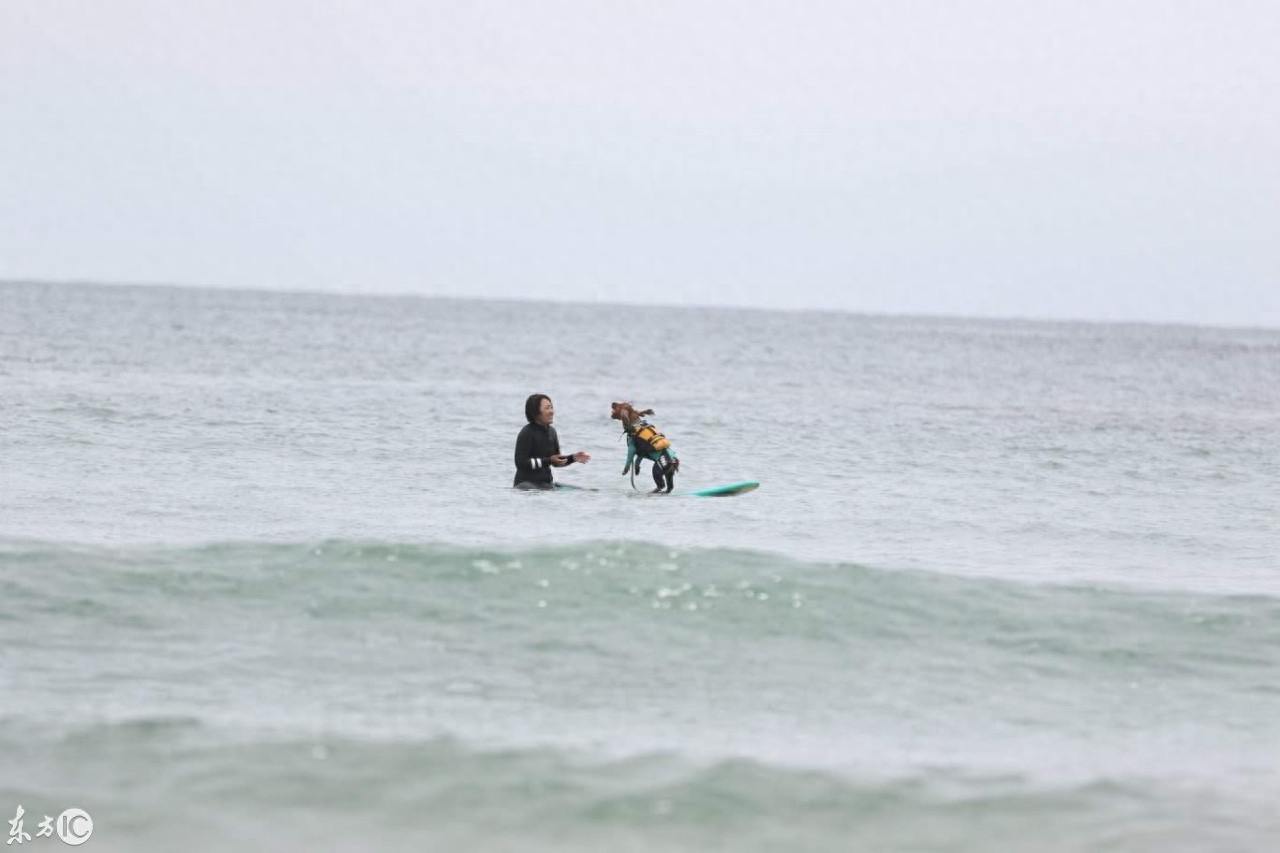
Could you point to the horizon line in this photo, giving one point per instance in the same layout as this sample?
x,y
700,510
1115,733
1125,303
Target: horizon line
x,y
622,303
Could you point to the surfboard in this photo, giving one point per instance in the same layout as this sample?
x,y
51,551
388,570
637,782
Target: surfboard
x,y
713,492
722,491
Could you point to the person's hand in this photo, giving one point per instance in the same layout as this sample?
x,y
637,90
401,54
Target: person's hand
x,y
580,456
558,461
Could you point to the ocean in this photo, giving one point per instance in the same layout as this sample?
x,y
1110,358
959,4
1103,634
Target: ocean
x,y
1006,585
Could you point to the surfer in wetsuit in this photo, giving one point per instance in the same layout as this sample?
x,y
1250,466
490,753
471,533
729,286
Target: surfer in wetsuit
x,y
538,446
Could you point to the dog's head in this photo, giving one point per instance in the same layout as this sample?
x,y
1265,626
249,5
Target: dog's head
x,y
627,413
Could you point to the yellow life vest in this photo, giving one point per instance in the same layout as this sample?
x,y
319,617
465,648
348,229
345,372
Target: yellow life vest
x,y
648,439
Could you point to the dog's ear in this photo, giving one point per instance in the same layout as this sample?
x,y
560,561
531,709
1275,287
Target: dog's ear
x,y
645,412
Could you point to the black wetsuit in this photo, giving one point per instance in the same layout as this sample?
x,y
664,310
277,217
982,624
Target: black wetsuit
x,y
535,446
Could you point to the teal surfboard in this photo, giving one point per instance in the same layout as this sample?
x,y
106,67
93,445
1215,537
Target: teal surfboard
x,y
722,491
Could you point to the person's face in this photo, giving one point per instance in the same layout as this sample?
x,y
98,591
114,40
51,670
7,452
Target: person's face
x,y
546,413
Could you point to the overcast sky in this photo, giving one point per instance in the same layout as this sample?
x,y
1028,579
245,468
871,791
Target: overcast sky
x,y
1106,160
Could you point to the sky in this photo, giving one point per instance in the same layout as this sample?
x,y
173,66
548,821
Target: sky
x,y
1114,160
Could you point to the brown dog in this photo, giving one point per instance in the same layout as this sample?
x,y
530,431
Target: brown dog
x,y
645,442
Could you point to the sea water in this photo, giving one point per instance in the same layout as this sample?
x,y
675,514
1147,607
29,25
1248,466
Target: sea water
x,y
1006,585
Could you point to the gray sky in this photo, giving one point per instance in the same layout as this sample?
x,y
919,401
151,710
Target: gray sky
x,y
1108,160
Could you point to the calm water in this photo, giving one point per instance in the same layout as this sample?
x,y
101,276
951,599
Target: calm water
x,y
1005,585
